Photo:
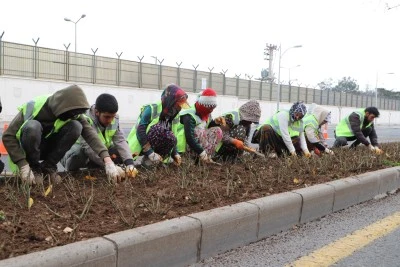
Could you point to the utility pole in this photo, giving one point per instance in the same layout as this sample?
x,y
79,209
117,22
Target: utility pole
x,y
269,55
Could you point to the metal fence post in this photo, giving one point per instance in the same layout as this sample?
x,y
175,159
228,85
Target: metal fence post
x,y
313,96
160,84
237,83
224,81
118,72
1,53
210,77
178,73
249,85
94,63
35,63
195,78
66,65
260,91
270,91
306,94
140,71
290,92
298,92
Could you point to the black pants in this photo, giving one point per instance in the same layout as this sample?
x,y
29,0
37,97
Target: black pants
x,y
342,141
50,149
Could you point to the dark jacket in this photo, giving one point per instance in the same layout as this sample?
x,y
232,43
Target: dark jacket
x,y
355,124
61,101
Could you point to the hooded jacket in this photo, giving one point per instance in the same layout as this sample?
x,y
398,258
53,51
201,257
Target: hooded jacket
x,y
61,101
312,131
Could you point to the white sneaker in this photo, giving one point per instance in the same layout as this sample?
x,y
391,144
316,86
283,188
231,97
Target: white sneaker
x,y
272,155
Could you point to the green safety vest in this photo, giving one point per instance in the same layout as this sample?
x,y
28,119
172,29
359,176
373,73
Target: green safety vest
x,y
179,129
294,128
109,132
30,110
236,119
344,127
156,109
310,120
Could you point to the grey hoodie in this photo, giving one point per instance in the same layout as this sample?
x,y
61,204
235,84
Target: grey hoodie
x,y
61,101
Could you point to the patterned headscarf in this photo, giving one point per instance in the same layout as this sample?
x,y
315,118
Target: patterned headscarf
x,y
297,107
173,99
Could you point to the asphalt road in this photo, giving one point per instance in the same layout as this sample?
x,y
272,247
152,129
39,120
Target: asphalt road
x,y
285,248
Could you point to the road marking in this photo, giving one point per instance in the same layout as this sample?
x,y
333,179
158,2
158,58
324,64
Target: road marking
x,y
347,245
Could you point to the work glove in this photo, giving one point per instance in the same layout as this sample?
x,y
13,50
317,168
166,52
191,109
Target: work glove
x,y
27,174
372,148
220,121
154,157
237,143
307,154
113,174
378,151
204,157
177,160
329,152
293,154
131,171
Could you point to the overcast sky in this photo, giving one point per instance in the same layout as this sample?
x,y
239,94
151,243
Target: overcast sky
x,y
356,38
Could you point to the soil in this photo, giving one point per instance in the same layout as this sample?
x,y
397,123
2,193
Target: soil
x,y
91,207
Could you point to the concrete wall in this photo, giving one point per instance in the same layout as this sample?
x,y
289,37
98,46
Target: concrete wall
x,y
16,91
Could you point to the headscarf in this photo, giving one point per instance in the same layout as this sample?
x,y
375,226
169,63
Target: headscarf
x,y
297,107
173,99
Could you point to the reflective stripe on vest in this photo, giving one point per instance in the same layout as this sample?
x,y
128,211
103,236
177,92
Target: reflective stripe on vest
x,y
344,127
179,130
109,131
31,109
310,120
294,128
133,141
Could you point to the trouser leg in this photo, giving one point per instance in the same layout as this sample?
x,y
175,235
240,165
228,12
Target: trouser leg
x,y
74,159
58,144
31,139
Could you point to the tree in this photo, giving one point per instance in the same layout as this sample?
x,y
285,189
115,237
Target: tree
x,y
327,84
348,85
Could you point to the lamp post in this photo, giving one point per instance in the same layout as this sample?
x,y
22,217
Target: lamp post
x,y
292,68
279,72
75,22
376,87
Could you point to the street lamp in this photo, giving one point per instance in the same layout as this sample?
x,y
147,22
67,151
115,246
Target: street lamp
x,y
376,87
75,22
279,72
290,69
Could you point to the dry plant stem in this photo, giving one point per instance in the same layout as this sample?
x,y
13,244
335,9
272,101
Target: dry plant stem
x,y
55,213
48,229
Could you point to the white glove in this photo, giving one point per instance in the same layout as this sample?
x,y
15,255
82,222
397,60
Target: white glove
x,y
27,174
328,151
371,147
112,172
131,171
121,171
155,158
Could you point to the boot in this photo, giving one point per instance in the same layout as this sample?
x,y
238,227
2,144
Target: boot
x,y
50,170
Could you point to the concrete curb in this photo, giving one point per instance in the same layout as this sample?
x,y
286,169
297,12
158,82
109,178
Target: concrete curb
x,y
189,239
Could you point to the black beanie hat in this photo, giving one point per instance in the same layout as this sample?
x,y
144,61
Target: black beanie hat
x,y
107,103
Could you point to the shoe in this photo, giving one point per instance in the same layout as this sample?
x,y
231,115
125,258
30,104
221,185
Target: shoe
x,y
51,171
